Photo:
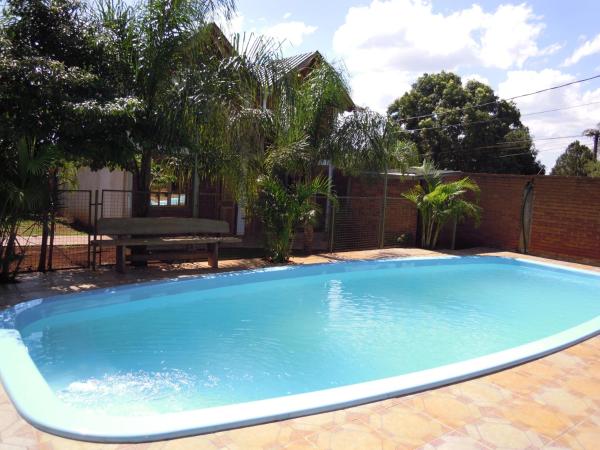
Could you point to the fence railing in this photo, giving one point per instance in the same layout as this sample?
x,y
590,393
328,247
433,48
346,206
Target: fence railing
x,y
350,223
359,223
65,244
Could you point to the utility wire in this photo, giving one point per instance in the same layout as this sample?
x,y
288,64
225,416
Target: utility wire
x,y
512,145
560,109
476,122
560,86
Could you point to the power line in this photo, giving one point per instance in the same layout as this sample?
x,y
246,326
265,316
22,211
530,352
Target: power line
x,y
499,100
477,122
511,145
526,153
560,109
535,140
555,87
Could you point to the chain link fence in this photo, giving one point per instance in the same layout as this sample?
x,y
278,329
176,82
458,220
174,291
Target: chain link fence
x,y
361,223
63,242
350,223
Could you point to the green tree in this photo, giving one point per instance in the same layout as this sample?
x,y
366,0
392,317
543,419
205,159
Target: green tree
x,y
439,202
593,169
316,121
574,161
23,195
365,140
454,134
53,96
304,118
198,93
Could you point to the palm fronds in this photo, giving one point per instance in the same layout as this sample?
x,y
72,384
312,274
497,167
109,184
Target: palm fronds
x,y
439,201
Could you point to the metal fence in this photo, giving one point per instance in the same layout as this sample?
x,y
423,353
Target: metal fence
x,y
114,203
66,243
350,223
359,223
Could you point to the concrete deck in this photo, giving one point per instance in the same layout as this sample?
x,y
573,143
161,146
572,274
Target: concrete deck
x,y
552,403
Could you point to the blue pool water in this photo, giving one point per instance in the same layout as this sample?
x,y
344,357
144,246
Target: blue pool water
x,y
232,338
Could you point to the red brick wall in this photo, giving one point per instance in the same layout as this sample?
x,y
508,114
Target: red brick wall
x,y
566,218
500,198
565,223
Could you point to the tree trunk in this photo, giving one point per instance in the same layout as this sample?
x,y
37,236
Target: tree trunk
x,y
309,237
140,201
9,255
44,242
454,224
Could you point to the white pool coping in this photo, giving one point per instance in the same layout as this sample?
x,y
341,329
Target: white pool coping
x,y
36,402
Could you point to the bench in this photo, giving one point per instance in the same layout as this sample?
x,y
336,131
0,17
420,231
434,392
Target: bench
x,y
161,232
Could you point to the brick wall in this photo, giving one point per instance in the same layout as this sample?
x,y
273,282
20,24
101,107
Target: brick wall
x,y
501,199
566,218
565,222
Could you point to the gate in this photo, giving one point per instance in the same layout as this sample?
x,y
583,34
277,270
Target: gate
x,y
63,240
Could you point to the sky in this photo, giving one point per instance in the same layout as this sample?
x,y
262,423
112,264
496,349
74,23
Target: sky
x,y
516,47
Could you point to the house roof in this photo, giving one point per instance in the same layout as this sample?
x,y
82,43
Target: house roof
x,y
301,61
302,64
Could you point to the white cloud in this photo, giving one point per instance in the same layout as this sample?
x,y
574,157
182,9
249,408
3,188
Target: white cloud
x,y
293,32
235,24
290,32
476,77
568,122
586,49
287,15
397,40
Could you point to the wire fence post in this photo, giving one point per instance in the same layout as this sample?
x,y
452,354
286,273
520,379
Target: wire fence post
x,y
89,234
383,208
95,226
332,229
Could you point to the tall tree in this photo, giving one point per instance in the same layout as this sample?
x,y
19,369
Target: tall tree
x,y
574,161
465,127
188,80
53,96
304,120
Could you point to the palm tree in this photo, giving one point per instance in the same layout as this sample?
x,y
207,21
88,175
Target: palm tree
x,y
189,81
319,123
282,208
439,201
594,133
23,195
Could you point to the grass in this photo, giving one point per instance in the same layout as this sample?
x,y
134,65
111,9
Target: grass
x,y
62,228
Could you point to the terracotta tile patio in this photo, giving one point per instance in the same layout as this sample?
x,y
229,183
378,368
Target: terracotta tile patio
x,y
552,403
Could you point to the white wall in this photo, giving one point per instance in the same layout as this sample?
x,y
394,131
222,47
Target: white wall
x,y
118,204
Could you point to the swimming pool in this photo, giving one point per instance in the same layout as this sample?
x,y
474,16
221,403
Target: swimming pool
x,y
175,358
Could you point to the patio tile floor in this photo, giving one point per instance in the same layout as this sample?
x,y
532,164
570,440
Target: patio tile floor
x,y
552,403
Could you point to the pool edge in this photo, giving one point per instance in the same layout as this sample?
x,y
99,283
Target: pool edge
x,y
153,428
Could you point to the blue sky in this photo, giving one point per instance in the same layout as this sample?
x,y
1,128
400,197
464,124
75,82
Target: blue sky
x,y
516,47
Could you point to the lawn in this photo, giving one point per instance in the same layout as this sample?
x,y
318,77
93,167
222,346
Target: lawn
x,y
33,228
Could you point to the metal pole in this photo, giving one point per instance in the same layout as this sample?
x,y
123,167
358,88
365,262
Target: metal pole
x,y
332,231
195,189
383,208
89,224
95,229
328,201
